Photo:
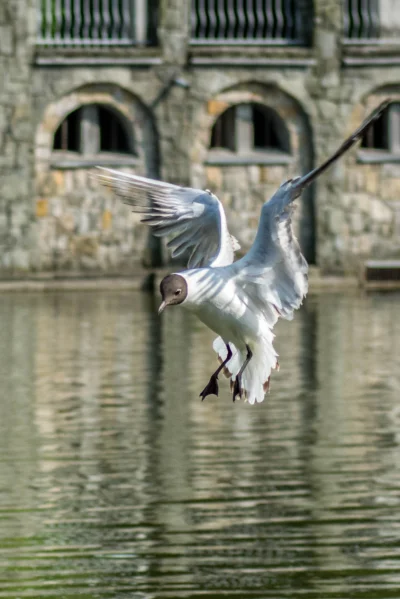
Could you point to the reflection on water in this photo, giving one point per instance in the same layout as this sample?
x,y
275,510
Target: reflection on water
x,y
117,481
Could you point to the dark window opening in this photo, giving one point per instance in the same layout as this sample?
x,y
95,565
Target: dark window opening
x,y
113,137
265,133
386,272
67,136
384,133
223,132
94,22
260,129
289,22
106,133
152,21
376,136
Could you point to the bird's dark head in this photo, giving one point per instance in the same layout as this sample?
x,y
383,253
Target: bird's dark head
x,y
173,289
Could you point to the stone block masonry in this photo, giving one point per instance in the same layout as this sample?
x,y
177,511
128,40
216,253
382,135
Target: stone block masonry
x,y
17,38
55,219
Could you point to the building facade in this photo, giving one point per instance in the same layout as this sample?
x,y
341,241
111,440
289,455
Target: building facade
x,y
230,95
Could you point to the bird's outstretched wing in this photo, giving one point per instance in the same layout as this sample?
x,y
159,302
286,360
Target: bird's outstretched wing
x,y
274,270
195,219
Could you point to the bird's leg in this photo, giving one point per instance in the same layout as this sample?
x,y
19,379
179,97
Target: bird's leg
x,y
237,385
212,387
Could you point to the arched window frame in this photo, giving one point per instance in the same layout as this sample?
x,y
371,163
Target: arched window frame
x,y
88,152
240,147
381,143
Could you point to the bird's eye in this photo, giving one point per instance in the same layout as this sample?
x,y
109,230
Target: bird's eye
x,y
178,291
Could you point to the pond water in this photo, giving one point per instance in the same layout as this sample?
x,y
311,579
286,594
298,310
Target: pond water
x,y
117,481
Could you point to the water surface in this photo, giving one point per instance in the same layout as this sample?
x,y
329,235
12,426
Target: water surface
x,y
116,481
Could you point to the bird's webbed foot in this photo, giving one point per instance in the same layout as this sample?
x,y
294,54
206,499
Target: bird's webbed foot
x,y
211,388
237,388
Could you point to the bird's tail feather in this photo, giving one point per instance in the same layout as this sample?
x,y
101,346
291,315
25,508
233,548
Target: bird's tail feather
x,y
256,377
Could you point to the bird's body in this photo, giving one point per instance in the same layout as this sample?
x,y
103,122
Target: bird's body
x,y
240,301
227,309
222,305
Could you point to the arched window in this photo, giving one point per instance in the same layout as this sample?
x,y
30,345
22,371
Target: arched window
x,y
382,140
94,129
252,132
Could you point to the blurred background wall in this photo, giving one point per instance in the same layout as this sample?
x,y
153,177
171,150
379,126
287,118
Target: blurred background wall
x,y
230,95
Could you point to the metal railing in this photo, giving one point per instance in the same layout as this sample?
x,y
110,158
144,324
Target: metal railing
x,y
97,22
251,22
361,19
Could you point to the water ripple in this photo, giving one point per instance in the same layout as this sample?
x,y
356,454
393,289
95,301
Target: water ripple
x,y
117,481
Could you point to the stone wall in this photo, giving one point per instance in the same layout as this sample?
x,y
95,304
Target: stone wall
x,y
366,222
244,188
17,29
56,218
81,226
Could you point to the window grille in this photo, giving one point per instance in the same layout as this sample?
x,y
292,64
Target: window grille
x,y
251,21
97,22
361,19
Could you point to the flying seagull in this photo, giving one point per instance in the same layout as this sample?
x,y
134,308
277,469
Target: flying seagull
x,y
240,301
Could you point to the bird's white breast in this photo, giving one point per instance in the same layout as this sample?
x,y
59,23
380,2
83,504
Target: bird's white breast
x,y
221,305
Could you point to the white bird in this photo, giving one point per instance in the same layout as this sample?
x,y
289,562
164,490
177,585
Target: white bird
x,y
240,301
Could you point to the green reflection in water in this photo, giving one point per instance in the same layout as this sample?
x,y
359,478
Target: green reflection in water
x,y
117,481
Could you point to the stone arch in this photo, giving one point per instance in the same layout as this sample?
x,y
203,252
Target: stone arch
x,y
80,225
244,185
369,226
127,105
